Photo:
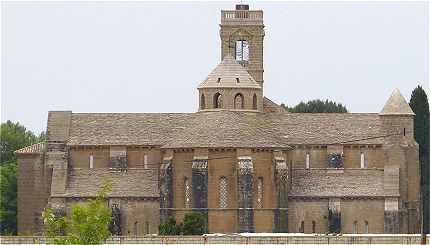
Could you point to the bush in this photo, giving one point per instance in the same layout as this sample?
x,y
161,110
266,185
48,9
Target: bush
x,y
193,224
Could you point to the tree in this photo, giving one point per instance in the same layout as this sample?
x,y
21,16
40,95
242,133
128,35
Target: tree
x,y
169,227
194,224
88,224
420,105
8,188
317,106
13,136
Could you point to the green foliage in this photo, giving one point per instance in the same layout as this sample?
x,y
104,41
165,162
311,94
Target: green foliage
x,y
194,224
8,188
13,136
317,106
420,105
87,224
169,227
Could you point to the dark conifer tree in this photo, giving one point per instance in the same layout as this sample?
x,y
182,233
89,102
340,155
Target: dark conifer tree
x,y
420,105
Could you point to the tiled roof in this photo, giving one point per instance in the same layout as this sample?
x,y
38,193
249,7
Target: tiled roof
x,y
36,148
397,105
223,129
270,106
125,128
132,183
225,75
332,183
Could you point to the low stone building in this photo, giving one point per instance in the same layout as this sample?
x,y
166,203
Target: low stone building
x,y
241,160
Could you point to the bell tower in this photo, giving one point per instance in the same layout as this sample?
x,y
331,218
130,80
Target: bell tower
x,y
242,34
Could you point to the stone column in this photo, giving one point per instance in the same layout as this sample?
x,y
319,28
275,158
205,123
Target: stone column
x,y
281,181
245,213
200,185
334,215
391,216
166,189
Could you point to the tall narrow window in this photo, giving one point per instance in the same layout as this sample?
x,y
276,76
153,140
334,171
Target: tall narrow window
x,y
254,102
302,227
242,52
223,192
187,197
147,230
354,227
91,161
366,226
238,101
307,160
145,161
313,226
217,103
202,102
362,160
135,228
260,192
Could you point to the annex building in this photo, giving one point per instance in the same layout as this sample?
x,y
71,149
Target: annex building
x,y
241,160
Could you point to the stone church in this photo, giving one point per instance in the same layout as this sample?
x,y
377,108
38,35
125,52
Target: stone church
x,y
240,160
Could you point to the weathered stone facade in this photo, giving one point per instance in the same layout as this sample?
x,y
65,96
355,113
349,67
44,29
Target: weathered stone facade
x,y
241,160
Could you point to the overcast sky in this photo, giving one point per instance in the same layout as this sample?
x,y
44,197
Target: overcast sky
x,y
150,56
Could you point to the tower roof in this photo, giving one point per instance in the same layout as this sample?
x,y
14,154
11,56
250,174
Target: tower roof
x,y
229,74
396,105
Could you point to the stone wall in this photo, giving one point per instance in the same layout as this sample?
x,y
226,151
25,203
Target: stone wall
x,y
33,183
414,239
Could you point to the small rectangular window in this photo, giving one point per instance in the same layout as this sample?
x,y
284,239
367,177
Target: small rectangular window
x,y
307,161
145,161
91,161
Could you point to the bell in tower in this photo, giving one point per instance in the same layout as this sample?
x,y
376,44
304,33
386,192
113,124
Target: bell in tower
x,y
242,34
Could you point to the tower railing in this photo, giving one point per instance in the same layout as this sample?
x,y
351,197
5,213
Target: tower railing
x,y
254,17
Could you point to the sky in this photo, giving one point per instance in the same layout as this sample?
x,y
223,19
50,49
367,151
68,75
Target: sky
x,y
150,56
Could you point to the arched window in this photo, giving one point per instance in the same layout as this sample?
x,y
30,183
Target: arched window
x,y
217,100
260,192
313,226
302,227
238,101
223,192
363,162
366,226
354,227
202,102
254,102
91,161
187,191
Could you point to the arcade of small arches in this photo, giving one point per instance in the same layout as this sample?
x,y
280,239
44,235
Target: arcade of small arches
x,y
238,102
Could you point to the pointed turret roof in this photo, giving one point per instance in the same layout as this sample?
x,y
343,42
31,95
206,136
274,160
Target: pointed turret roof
x,y
229,74
396,105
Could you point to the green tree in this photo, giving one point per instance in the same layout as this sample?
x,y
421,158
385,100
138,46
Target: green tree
x,y
88,223
8,188
194,224
317,106
169,227
13,136
420,105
